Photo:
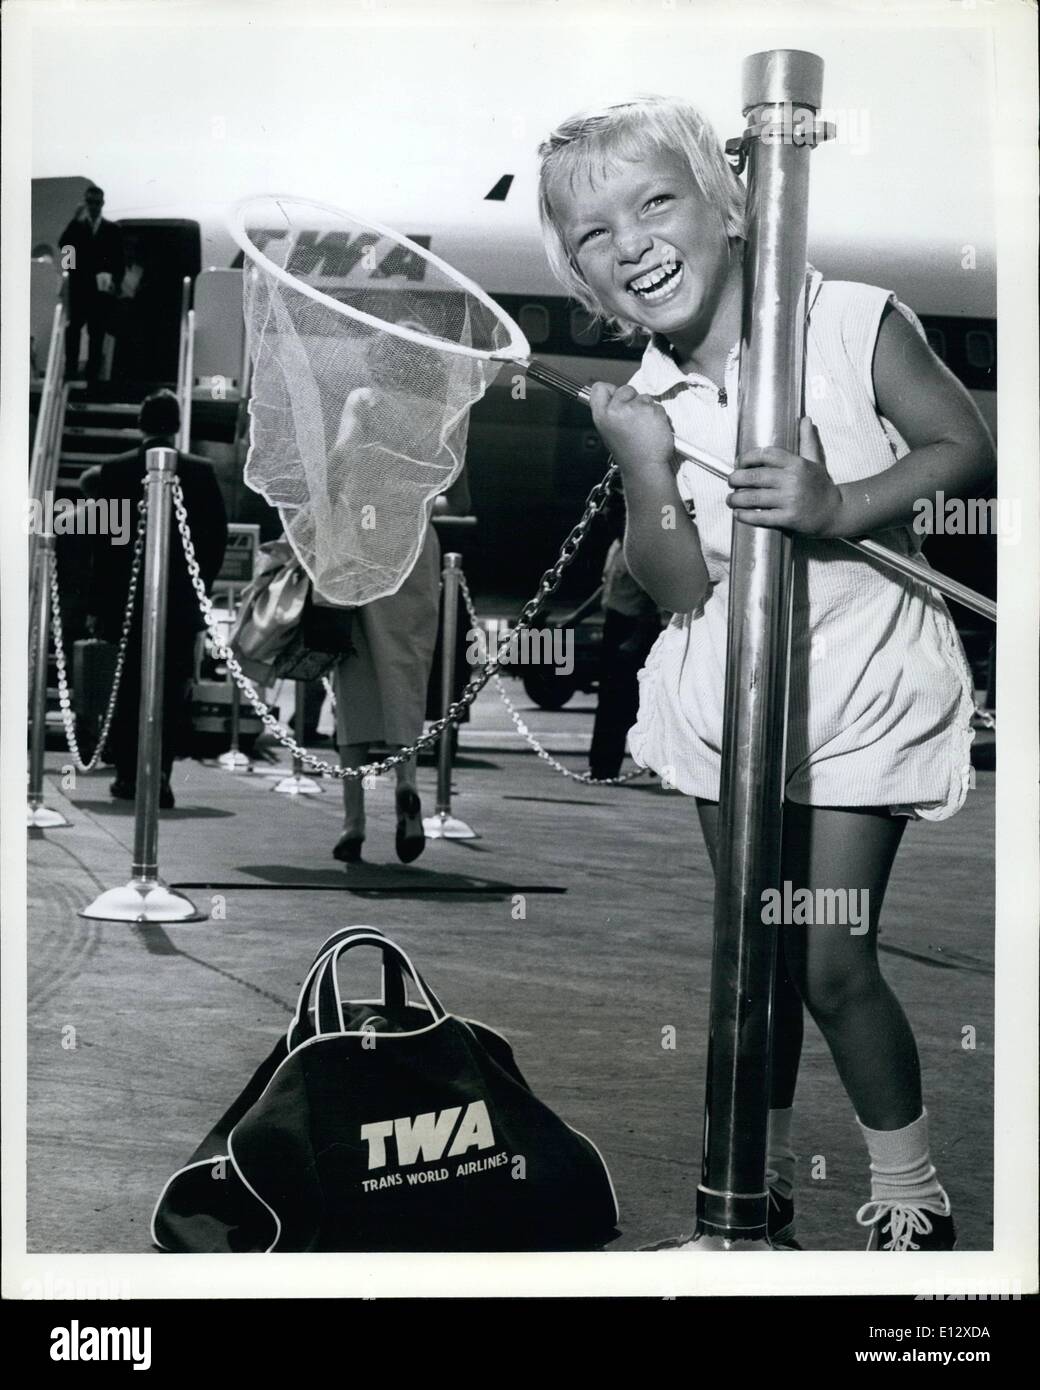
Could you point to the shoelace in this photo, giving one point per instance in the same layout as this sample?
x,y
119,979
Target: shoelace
x,y
904,1222
774,1200
780,1210
772,1178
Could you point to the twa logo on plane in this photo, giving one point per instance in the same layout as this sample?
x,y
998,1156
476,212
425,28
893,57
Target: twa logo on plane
x,y
427,1136
343,257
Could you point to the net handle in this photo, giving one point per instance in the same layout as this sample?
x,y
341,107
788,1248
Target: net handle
x,y
517,350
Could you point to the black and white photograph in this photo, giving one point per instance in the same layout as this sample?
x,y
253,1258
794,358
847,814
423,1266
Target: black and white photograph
x,y
506,513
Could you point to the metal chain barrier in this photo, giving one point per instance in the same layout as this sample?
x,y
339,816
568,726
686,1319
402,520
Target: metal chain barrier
x,y
547,586
34,637
64,698
522,728
981,719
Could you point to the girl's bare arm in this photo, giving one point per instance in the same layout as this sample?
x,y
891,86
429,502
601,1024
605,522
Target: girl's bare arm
x,y
662,547
950,451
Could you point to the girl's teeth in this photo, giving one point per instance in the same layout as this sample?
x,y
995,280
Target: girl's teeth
x,y
661,288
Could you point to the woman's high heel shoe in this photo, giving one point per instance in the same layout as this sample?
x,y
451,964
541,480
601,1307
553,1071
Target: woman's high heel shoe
x,y
411,839
348,849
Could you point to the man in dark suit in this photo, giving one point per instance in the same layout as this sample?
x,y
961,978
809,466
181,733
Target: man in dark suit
x,y
121,481
92,253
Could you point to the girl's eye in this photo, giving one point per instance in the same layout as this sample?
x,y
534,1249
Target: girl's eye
x,y
659,198
596,231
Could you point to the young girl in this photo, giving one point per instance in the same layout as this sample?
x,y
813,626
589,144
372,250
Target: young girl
x,y
643,222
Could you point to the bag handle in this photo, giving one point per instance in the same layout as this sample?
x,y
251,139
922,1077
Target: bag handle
x,y
396,964
393,987
301,1027
341,934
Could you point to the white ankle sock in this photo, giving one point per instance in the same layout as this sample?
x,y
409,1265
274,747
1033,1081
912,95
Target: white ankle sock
x,y
900,1168
780,1157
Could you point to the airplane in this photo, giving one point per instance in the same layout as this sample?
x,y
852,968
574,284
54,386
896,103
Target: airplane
x,y
535,457
386,119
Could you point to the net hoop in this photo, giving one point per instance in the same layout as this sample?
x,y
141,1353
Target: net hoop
x,y
517,350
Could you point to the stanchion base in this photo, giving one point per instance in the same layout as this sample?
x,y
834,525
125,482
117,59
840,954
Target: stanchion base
x,y
695,1243
142,900
234,761
441,826
43,818
298,786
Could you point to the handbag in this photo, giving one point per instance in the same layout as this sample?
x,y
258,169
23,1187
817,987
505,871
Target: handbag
x,y
386,1125
282,631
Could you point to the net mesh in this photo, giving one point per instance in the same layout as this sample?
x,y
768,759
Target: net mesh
x,y
356,427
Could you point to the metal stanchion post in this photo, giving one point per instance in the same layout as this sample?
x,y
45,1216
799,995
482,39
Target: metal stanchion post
x,y
146,898
782,90
234,760
442,825
39,816
296,784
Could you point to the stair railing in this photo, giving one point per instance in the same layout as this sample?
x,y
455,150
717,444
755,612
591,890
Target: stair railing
x,y
46,450
186,364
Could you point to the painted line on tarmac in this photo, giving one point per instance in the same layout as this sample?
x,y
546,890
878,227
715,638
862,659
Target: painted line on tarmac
x,y
395,888
958,960
559,801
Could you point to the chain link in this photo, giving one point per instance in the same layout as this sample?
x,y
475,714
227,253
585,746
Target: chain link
x,y
64,698
547,586
525,732
34,635
595,502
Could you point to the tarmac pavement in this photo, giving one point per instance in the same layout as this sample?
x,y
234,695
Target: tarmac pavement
x,y
579,925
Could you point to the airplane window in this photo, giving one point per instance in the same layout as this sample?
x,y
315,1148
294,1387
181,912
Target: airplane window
x,y
980,351
937,341
585,329
534,322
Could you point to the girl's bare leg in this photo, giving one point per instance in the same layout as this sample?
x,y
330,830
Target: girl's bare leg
x,y
835,967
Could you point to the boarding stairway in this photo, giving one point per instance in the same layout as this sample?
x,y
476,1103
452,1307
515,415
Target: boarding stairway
x,y
76,425
96,427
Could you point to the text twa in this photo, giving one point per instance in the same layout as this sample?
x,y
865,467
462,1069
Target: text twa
x,y
427,1136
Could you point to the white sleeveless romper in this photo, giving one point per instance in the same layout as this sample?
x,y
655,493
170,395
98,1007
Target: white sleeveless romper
x,y
881,695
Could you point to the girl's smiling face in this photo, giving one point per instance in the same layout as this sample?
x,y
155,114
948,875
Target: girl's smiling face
x,y
649,245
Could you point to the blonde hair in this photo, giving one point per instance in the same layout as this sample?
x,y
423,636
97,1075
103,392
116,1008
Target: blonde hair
x,y
592,142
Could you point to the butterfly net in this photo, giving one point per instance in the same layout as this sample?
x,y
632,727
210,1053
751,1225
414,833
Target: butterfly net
x,y
368,353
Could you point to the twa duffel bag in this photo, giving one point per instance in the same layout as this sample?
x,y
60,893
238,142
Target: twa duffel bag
x,y
387,1125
